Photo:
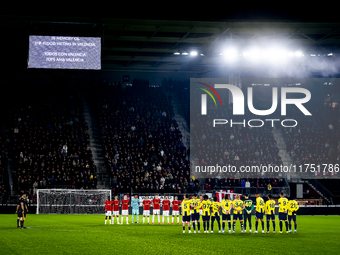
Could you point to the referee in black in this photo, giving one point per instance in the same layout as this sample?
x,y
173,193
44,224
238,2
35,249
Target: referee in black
x,y
21,211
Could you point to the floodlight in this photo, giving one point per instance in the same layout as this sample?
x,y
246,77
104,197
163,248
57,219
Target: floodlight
x,y
193,53
246,54
298,54
253,54
266,54
230,54
280,53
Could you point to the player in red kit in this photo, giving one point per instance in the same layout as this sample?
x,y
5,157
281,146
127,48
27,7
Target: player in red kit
x,y
108,209
115,212
156,209
175,209
125,209
166,208
146,209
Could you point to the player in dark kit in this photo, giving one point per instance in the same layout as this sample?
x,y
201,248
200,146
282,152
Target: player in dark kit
x,y
215,207
21,211
249,206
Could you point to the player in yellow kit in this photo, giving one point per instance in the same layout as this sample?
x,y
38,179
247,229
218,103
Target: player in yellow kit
x,y
186,212
226,205
270,212
283,202
292,207
259,211
195,213
215,207
238,207
206,207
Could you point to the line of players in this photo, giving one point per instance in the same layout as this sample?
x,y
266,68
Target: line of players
x,y
211,212
112,209
193,208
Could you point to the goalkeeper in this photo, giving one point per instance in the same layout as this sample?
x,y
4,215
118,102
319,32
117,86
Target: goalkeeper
x,y
249,206
135,208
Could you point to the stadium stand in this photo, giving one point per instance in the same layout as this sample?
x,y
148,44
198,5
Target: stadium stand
x,y
180,90
240,146
142,143
4,185
316,140
49,145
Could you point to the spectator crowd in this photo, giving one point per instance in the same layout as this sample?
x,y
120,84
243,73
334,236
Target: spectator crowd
x,y
142,143
4,192
316,140
49,145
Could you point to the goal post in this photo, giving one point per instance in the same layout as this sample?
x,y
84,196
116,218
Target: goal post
x,y
72,201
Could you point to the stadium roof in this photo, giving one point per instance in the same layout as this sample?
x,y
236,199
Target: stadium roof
x,y
151,44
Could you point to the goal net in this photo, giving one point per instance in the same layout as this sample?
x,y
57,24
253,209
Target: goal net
x,y
71,201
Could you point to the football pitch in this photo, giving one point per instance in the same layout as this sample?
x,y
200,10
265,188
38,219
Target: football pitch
x,y
87,234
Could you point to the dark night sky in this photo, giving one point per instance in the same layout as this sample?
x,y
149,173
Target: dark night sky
x,y
224,11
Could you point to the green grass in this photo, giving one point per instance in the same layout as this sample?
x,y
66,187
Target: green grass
x,y
87,234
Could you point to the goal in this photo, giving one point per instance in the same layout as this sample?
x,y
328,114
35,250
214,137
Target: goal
x,y
72,201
